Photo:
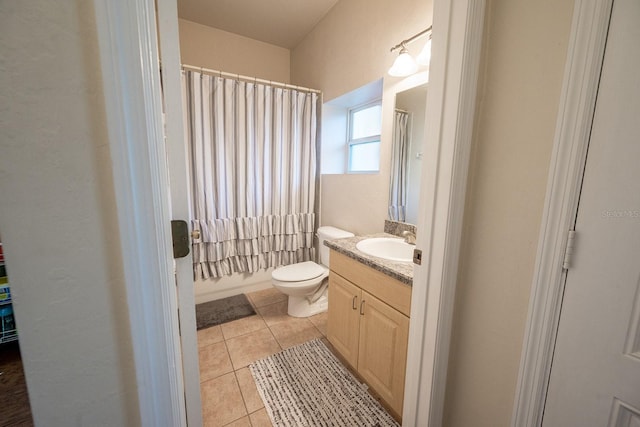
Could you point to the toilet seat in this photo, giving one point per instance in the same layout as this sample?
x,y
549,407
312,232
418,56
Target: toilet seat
x,y
299,272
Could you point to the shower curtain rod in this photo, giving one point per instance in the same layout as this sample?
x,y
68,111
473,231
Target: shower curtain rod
x,y
248,79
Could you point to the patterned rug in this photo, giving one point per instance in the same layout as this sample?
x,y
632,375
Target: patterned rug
x,y
307,386
223,310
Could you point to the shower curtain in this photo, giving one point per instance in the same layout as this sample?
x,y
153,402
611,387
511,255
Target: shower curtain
x,y
252,153
399,148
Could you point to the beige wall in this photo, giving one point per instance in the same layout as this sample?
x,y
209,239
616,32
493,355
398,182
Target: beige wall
x,y
212,48
348,49
350,46
58,219
523,65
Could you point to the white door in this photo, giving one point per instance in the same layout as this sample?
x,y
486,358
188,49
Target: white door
x,y
178,175
595,375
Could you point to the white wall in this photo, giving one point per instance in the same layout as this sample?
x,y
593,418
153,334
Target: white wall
x,y
334,139
216,49
58,219
346,50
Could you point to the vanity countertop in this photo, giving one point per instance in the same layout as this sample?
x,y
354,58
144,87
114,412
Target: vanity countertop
x,y
402,271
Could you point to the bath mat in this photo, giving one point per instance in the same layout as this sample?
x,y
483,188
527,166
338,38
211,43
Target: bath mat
x,y
307,386
223,310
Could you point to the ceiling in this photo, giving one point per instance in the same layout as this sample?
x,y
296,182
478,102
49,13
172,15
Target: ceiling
x,y
280,22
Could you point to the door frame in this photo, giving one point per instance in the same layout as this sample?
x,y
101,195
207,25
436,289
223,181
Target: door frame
x,y
177,163
585,56
129,56
458,27
128,48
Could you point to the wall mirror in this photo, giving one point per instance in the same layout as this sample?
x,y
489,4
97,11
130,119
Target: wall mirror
x,y
407,146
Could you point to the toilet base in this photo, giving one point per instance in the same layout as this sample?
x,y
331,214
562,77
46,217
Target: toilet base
x,y
300,307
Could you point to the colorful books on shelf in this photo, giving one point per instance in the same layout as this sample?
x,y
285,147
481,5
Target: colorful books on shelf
x,y
8,330
5,293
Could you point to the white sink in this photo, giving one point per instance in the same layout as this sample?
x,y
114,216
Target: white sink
x,y
387,248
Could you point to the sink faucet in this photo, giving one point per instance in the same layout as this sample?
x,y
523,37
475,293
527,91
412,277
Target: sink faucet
x,y
409,237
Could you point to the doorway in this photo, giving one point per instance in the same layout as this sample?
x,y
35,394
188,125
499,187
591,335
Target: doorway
x,y
462,23
585,59
594,377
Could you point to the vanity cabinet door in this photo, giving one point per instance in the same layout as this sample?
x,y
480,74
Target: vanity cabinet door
x,y
382,358
343,320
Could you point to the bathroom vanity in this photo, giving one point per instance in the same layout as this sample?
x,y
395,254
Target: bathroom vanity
x,y
368,317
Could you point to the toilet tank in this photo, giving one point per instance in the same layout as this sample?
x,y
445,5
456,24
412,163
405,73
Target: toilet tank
x,y
327,233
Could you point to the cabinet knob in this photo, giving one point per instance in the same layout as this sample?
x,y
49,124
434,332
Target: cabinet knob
x,y
362,307
354,305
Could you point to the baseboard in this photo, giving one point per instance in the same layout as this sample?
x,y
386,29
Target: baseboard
x,y
214,289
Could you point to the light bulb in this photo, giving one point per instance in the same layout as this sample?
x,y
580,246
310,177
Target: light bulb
x,y
425,54
404,65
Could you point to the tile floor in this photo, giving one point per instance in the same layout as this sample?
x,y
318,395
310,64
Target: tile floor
x,y
229,394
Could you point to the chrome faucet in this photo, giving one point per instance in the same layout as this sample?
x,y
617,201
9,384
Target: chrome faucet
x,y
409,237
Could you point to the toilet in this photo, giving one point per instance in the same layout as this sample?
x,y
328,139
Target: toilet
x,y
306,282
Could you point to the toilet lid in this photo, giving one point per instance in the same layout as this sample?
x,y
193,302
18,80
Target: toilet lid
x,y
298,272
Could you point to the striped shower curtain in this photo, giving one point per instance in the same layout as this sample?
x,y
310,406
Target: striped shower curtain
x,y
398,186
252,154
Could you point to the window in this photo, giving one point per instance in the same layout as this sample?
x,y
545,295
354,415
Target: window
x,y
364,138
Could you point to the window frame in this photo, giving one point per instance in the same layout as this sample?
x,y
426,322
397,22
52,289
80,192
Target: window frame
x,y
368,139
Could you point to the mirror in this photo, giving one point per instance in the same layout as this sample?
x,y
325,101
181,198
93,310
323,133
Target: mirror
x,y
406,157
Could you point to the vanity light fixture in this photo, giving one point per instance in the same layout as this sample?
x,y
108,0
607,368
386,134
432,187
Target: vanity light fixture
x,y
425,54
405,65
